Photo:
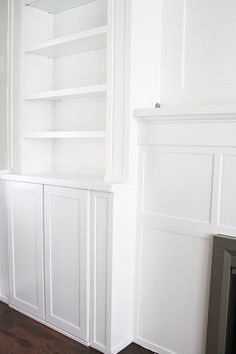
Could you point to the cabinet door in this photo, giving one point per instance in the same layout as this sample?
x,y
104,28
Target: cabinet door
x,y
66,257
25,226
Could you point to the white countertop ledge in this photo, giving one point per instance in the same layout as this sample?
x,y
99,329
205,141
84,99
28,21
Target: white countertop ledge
x,y
92,183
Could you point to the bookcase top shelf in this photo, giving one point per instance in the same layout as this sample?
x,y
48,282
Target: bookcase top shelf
x,y
80,42
56,6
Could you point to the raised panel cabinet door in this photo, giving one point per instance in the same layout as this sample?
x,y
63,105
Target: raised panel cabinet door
x,y
66,257
25,241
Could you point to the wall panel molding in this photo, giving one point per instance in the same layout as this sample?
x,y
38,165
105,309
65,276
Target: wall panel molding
x,y
187,193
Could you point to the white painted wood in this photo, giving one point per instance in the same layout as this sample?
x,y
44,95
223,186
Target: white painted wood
x,y
121,271
4,291
66,135
199,133
146,27
101,207
4,134
172,176
81,42
198,56
112,270
80,19
189,114
68,93
93,182
56,6
173,298
175,227
25,244
227,205
118,90
66,214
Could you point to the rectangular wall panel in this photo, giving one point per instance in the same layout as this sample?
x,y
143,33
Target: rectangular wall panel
x,y
174,288
227,216
171,177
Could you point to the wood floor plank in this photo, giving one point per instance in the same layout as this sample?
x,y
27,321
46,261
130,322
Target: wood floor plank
x,y
20,334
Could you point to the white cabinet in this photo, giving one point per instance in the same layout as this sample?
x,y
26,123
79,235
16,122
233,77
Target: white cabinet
x,y
78,245
66,258
25,239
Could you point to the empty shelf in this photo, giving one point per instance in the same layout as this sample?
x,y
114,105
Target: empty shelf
x,y
93,134
87,40
94,90
56,6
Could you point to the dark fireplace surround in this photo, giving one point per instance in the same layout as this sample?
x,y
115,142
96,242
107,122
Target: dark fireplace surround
x,y
221,334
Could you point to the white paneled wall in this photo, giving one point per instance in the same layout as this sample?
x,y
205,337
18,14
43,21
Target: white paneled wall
x,y
173,286
198,52
187,193
183,55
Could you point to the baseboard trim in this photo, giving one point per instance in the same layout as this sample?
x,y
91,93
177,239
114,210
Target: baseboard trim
x,y
50,326
101,348
4,299
153,347
117,348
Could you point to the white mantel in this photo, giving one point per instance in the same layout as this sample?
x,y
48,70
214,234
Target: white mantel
x,y
187,114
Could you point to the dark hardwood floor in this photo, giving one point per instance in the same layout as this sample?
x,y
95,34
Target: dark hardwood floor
x,y
20,334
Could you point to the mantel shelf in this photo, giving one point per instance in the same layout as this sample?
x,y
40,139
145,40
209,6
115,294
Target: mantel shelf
x,y
95,90
56,6
188,114
80,42
94,134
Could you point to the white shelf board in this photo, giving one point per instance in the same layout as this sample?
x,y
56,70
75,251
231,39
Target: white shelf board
x,y
94,90
80,42
93,134
56,6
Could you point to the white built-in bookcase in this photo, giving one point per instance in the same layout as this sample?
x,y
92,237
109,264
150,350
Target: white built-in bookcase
x,y
71,88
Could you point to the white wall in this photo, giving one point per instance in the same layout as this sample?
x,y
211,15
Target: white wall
x,y
145,53
3,85
182,53
3,244
198,52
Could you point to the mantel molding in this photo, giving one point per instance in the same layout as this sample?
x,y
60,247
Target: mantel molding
x,y
187,114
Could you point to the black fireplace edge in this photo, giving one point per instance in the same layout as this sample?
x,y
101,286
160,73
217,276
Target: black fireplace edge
x,y
222,304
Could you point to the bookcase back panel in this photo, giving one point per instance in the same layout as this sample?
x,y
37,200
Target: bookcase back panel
x,y
82,18
78,157
80,114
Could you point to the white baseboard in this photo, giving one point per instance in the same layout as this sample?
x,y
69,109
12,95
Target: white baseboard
x,y
153,347
101,348
116,349
4,299
50,326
